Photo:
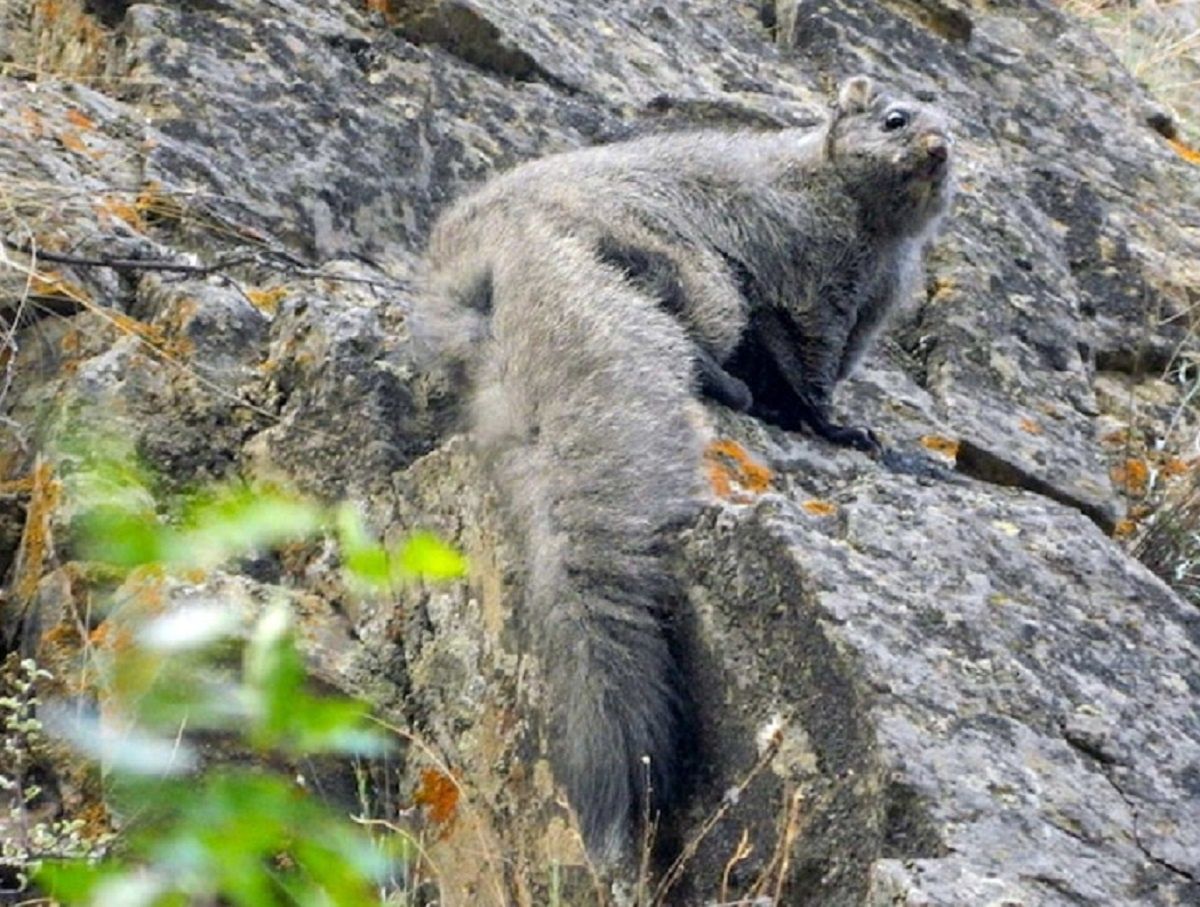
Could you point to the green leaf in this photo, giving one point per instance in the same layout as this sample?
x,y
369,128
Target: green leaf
x,y
425,555
363,559
132,889
422,555
239,521
73,881
287,717
351,533
193,626
370,565
124,538
235,837
235,824
333,724
342,867
274,675
129,750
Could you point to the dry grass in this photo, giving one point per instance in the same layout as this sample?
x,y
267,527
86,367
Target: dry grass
x,y
1171,544
1158,41
1158,44
1168,541
1155,461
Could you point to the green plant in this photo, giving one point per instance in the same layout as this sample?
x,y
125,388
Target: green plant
x,y
26,836
223,834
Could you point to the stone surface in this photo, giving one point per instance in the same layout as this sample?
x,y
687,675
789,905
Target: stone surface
x,y
905,691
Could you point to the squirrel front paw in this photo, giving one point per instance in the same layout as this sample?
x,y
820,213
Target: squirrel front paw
x,y
858,437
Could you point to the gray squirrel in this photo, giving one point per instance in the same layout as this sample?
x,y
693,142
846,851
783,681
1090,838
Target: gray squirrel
x,y
589,297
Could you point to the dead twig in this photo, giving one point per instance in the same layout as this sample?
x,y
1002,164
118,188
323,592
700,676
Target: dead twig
x,y
273,260
675,872
135,264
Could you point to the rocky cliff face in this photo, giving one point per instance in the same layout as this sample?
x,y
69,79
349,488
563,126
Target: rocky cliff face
x,y
921,692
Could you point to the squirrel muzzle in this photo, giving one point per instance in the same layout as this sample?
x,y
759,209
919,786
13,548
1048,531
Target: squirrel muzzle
x,y
937,155
936,146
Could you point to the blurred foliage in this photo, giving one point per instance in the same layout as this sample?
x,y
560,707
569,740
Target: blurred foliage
x,y
224,835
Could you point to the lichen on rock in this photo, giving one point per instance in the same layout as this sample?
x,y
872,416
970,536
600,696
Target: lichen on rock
x,y
935,692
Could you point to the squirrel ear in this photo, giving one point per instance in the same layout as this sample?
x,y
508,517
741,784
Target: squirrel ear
x,y
856,94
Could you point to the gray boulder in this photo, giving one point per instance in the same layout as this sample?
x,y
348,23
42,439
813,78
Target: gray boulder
x,y
904,690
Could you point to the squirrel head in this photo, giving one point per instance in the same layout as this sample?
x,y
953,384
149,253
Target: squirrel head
x,y
894,153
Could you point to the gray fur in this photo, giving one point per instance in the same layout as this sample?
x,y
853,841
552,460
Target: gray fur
x,y
587,295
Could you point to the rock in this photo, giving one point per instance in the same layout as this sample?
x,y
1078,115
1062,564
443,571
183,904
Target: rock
x,y
350,409
905,689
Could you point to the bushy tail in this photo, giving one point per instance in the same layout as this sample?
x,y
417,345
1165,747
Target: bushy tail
x,y
582,403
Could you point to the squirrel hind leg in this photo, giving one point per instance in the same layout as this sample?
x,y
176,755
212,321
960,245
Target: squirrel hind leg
x,y
804,412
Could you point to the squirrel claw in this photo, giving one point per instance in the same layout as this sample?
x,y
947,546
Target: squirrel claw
x,y
858,437
915,464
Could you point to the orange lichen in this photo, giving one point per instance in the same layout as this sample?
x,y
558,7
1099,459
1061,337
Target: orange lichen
x,y
1133,475
438,793
99,637
1176,466
820,508
147,597
731,470
1124,528
127,325
1031,426
113,637
118,208
153,335
33,122
1118,438
174,324
71,342
35,540
80,120
1185,151
72,141
70,42
23,485
63,634
51,283
719,480
96,819
947,447
156,206
267,300
386,8
941,288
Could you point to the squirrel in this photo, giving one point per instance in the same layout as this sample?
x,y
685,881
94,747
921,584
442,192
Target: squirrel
x,y
588,297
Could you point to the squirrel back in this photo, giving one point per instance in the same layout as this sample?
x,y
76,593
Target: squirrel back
x,y
586,297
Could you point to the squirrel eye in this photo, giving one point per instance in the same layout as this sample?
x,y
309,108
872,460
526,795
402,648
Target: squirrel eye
x,y
896,119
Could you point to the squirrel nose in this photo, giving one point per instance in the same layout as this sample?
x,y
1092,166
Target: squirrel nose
x,y
937,147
